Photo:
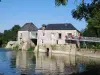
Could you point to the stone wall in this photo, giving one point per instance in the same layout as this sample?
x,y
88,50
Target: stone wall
x,y
67,48
11,44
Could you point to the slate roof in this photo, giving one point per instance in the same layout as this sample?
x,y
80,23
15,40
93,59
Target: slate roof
x,y
62,26
29,27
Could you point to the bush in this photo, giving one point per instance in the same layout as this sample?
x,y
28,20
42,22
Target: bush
x,y
31,49
16,47
90,45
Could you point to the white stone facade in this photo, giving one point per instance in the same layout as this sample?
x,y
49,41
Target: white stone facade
x,y
26,35
54,36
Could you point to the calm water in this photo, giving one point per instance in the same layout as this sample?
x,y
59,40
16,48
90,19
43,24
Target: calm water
x,y
22,62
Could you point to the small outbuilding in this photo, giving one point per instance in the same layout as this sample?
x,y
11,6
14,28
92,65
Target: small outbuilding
x,y
28,33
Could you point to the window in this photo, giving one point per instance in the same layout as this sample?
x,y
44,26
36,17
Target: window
x,y
59,35
69,35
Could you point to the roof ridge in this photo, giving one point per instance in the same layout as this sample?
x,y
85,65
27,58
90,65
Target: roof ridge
x,y
58,23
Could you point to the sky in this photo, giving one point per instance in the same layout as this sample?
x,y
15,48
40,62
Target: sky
x,y
39,12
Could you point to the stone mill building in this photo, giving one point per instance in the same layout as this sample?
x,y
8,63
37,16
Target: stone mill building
x,y
52,37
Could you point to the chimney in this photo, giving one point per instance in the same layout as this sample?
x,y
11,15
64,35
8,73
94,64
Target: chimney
x,y
43,26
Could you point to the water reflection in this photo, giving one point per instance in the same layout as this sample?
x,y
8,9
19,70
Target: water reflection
x,y
29,63
25,62
56,64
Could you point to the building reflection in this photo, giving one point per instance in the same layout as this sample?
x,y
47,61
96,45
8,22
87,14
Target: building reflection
x,y
25,62
55,64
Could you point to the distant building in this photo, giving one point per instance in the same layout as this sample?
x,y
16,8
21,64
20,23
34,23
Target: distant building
x,y
56,33
28,32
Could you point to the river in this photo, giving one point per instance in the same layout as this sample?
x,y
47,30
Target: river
x,y
29,63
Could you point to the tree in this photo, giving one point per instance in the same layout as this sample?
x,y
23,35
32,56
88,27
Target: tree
x,y
85,10
11,34
91,13
94,22
14,31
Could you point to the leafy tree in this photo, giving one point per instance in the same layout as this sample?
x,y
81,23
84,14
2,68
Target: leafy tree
x,y
94,23
85,10
9,35
91,13
14,31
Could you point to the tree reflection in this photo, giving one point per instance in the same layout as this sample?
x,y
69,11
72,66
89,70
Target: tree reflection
x,y
13,62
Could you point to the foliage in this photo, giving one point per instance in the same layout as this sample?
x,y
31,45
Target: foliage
x,y
1,39
90,45
9,35
63,2
85,10
59,2
93,27
31,48
13,62
91,13
16,47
